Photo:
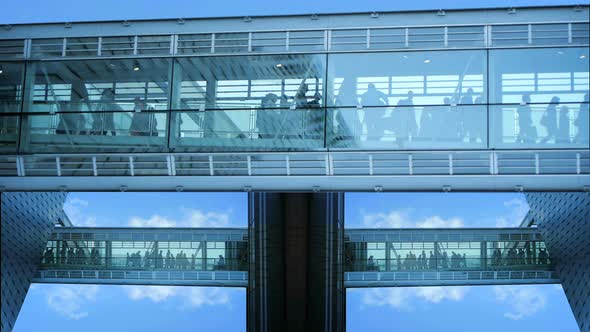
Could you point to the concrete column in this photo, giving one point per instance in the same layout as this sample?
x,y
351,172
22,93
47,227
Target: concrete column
x,y
296,268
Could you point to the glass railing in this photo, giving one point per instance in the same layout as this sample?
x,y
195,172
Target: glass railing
x,y
132,263
535,126
95,132
261,130
409,128
9,127
539,126
437,265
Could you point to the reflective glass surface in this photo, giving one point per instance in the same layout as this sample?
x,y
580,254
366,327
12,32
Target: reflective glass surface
x,y
98,85
65,132
546,74
445,256
245,82
8,133
11,86
146,255
409,127
260,129
553,125
407,78
408,100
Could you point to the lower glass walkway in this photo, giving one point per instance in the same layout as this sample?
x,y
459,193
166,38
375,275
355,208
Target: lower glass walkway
x,y
372,257
162,256
421,257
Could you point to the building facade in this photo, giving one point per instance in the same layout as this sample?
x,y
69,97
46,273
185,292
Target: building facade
x,y
27,222
564,220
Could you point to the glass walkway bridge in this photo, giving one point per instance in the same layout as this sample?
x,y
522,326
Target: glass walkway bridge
x,y
371,258
239,105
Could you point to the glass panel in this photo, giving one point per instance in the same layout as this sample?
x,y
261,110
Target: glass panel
x,y
306,40
8,133
140,255
581,33
426,37
153,45
244,81
82,46
549,34
419,78
49,47
99,85
95,132
231,42
465,36
550,73
388,38
259,129
269,41
446,256
191,44
12,48
551,125
408,127
510,35
117,45
11,86
349,40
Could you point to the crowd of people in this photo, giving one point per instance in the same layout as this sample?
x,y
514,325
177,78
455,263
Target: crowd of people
x,y
465,123
556,121
444,261
300,116
285,117
519,256
72,119
150,260
72,256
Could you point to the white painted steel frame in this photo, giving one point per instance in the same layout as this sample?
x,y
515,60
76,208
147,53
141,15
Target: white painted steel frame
x,y
320,171
448,278
169,278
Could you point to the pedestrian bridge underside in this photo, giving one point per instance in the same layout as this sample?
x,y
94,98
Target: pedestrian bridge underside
x,y
475,170
371,257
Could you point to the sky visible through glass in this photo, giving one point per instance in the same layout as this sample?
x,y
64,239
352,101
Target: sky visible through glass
x,y
123,308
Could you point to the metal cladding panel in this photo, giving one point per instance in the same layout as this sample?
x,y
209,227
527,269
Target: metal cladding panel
x,y
27,221
564,220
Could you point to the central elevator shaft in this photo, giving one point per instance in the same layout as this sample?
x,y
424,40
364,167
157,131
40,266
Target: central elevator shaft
x,y
296,272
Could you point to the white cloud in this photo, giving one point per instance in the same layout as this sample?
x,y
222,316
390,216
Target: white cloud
x,y
197,218
518,210
153,221
71,300
394,297
523,301
438,222
398,219
438,294
74,210
191,297
154,293
404,298
197,297
190,218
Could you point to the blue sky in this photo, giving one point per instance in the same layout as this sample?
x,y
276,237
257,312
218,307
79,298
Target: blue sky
x,y
28,11
67,308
